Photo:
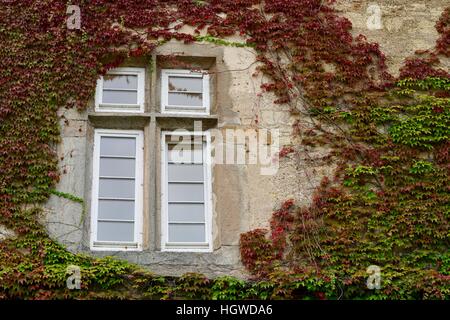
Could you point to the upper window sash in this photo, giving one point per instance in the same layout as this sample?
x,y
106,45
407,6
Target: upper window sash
x,y
121,90
185,91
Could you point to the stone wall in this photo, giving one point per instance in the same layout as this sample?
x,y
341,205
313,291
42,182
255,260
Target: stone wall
x,y
406,25
243,199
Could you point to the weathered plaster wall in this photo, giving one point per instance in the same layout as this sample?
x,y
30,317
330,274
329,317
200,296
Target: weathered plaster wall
x,y
406,25
243,199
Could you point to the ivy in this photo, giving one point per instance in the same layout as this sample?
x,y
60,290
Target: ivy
x,y
424,124
67,196
73,198
422,167
221,42
387,203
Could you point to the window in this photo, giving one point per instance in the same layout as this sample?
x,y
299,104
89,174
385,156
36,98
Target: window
x,y
186,192
117,206
184,91
117,192
121,90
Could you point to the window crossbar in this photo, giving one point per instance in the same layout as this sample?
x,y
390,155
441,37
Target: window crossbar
x,y
116,220
187,182
117,178
186,222
186,202
120,89
117,157
117,199
189,92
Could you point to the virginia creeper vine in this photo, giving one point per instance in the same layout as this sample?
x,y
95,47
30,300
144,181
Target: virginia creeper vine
x,y
387,203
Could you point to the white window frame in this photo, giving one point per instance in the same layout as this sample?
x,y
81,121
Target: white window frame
x,y
207,246
166,108
136,245
120,107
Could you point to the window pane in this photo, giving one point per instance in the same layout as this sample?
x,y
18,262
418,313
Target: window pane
x,y
190,212
112,167
185,172
185,84
119,97
185,192
115,146
186,99
187,233
112,81
115,231
116,188
116,209
185,153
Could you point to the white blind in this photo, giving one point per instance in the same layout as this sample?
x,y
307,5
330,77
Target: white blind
x,y
117,179
186,193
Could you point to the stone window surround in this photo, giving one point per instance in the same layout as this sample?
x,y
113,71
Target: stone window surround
x,y
153,122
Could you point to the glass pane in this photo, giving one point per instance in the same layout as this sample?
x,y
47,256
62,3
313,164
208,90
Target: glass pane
x,y
185,153
118,146
190,212
185,172
185,84
187,233
186,99
115,231
185,192
115,209
119,97
115,188
112,167
114,81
